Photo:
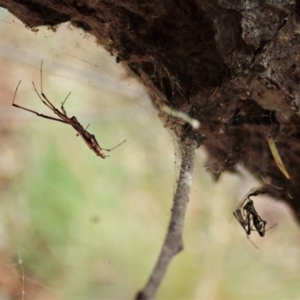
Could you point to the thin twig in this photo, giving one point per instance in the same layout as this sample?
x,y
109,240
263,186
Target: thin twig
x,y
173,241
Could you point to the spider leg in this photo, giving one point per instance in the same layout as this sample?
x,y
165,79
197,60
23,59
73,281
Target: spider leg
x,y
241,219
252,227
63,103
259,191
40,115
242,203
252,242
47,103
41,76
44,98
272,227
15,94
249,223
33,111
245,223
114,147
50,105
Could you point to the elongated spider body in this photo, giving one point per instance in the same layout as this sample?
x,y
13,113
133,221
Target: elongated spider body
x,y
89,138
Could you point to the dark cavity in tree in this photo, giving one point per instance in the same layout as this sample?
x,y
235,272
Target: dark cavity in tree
x,y
234,66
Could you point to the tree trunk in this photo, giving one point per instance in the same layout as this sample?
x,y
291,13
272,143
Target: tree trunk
x,y
232,65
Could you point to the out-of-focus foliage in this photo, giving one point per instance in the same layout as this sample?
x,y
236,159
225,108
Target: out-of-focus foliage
x,y
79,227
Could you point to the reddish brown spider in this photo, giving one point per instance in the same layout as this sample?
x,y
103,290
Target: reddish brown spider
x,y
89,139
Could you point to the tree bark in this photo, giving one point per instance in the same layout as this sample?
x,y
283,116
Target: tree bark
x,y
232,65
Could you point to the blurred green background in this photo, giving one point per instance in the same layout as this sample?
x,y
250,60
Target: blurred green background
x,y
74,226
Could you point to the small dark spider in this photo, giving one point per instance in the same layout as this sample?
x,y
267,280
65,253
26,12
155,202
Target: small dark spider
x,y
89,138
248,217
254,218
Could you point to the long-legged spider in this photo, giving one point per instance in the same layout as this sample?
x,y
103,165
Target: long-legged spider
x,y
248,217
89,139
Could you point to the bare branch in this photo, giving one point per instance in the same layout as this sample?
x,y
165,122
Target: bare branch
x,y
173,242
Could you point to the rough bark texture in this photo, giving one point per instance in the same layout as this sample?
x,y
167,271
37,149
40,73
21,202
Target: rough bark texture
x,y
233,65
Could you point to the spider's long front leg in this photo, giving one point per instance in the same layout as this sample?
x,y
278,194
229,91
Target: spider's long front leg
x,y
63,103
33,111
113,147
